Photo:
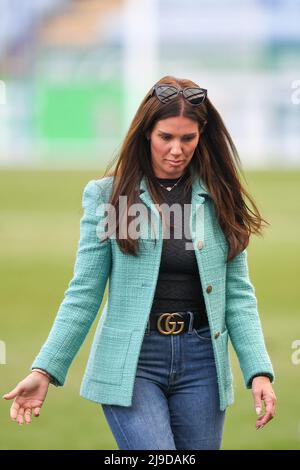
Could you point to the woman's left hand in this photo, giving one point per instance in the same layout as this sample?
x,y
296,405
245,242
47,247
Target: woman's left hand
x,y
262,390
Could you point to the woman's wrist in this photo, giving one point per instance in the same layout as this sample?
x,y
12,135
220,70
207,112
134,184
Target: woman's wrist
x,y
43,372
262,375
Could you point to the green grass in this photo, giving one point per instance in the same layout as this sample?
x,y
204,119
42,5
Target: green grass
x,y
39,229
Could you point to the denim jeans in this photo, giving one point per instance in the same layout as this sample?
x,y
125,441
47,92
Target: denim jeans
x,y
175,397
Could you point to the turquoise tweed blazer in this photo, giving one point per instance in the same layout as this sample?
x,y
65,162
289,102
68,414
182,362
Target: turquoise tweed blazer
x,y
110,372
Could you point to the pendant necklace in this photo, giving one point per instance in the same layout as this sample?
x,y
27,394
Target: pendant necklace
x,y
169,188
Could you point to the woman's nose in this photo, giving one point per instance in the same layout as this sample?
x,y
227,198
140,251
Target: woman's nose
x,y
176,149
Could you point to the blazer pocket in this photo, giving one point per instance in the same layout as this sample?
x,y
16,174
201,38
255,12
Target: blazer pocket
x,y
224,336
111,349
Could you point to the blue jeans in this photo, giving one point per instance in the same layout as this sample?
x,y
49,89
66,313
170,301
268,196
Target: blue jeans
x,y
175,397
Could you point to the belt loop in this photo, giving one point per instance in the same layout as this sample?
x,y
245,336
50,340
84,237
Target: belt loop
x,y
191,314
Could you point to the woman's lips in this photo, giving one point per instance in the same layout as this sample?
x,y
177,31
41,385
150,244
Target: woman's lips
x,y
175,163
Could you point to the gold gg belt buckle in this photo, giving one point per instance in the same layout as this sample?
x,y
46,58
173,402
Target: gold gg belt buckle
x,y
169,326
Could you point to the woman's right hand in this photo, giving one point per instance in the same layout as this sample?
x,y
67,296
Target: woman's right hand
x,y
29,396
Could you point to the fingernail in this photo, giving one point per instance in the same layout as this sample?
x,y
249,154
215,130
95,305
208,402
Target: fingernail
x,y
258,410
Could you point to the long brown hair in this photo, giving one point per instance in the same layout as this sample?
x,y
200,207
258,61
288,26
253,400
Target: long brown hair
x,y
215,161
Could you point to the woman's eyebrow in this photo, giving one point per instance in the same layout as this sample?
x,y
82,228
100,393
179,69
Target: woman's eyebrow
x,y
193,134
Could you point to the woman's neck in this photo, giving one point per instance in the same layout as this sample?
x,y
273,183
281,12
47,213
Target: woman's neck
x,y
170,178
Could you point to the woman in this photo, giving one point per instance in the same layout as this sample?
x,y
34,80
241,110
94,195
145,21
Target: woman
x,y
159,363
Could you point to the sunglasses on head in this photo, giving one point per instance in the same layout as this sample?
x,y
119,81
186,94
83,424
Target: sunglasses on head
x,y
166,93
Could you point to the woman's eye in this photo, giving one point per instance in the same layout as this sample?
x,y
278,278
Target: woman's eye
x,y
186,139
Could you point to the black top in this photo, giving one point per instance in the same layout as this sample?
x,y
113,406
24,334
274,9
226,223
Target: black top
x,y
178,286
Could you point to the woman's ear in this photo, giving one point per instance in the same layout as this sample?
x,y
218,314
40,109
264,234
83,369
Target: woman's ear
x,y
147,135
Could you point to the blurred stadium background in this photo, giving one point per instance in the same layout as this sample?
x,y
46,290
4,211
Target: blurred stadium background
x,y
72,73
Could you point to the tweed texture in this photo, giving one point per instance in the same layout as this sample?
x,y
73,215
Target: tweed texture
x,y
231,304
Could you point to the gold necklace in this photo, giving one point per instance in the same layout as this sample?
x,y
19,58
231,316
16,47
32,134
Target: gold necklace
x,y
169,188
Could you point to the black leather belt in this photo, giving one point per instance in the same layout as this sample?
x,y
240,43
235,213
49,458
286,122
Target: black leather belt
x,y
174,323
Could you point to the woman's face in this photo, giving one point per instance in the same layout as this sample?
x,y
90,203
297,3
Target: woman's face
x,y
173,142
